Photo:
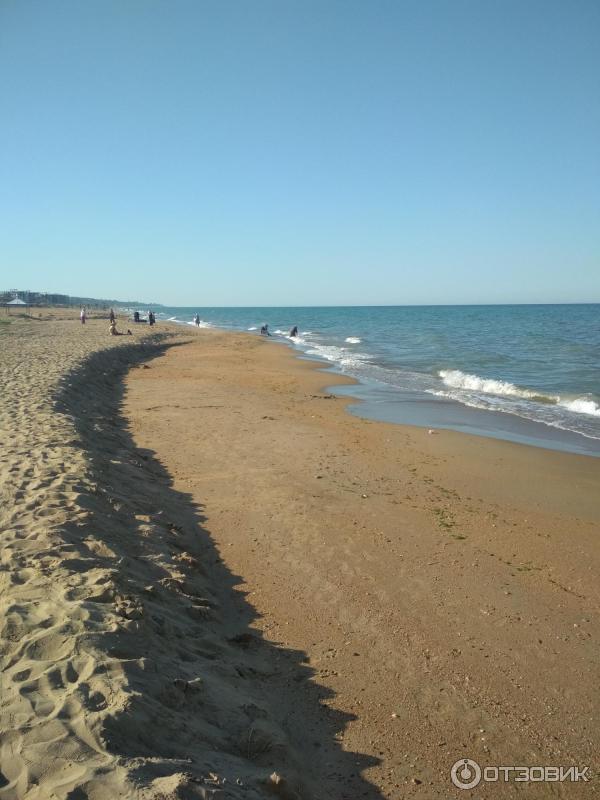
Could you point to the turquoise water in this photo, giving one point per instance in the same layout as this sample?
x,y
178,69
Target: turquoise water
x,y
527,373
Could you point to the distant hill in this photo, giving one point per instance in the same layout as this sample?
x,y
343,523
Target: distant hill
x,y
49,299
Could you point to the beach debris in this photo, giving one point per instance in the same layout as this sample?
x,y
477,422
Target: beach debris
x,y
431,430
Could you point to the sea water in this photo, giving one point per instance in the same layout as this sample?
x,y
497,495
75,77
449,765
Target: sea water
x,y
528,373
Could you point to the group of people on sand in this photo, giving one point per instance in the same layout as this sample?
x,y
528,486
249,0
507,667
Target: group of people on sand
x,y
264,331
112,327
150,317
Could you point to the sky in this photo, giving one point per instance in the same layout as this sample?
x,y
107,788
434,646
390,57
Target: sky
x,y
293,152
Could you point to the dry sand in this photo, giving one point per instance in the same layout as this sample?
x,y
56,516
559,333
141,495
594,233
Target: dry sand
x,y
219,584
120,676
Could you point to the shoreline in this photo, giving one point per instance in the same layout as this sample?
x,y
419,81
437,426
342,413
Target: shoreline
x,y
357,403
384,403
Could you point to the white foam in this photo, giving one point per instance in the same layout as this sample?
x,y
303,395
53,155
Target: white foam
x,y
253,328
561,425
462,380
581,405
544,414
296,339
353,340
339,355
456,379
470,402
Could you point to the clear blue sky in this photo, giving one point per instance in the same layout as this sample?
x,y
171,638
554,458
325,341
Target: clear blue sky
x,y
297,152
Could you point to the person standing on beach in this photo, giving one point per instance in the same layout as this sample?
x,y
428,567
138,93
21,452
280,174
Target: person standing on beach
x,y
111,316
197,320
82,315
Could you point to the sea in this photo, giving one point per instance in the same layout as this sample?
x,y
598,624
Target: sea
x,y
525,373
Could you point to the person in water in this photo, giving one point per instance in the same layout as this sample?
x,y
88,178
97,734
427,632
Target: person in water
x,y
197,320
294,332
265,330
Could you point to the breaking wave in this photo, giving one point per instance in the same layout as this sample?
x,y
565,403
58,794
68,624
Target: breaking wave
x,y
455,379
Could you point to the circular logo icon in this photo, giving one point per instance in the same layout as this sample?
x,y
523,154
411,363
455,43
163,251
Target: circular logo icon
x,y
466,773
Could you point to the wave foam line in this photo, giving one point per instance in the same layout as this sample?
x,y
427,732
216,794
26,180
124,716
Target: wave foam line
x,y
462,380
581,405
456,379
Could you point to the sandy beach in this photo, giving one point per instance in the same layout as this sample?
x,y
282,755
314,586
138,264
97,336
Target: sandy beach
x,y
217,583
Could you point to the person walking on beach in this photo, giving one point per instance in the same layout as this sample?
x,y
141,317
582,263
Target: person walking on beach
x,y
111,316
151,318
82,315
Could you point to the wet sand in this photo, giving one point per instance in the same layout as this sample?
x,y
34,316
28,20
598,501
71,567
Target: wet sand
x,y
215,582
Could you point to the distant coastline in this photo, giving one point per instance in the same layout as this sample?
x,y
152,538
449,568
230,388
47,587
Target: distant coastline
x,y
53,299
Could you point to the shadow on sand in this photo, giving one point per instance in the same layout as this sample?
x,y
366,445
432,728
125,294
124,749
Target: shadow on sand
x,y
211,709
